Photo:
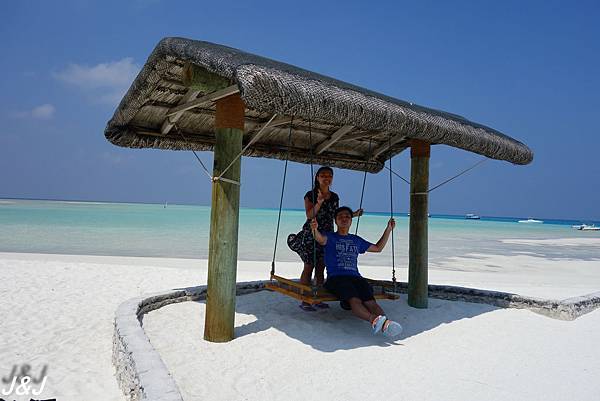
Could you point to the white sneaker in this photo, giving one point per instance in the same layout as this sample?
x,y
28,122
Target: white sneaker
x,y
378,323
391,329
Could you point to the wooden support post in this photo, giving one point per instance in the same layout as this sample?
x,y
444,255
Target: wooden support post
x,y
224,220
417,253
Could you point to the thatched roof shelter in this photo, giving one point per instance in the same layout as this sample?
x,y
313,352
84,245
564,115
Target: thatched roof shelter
x,y
194,95
345,125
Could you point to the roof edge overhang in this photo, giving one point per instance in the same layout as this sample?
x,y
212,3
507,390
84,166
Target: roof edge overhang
x,y
268,86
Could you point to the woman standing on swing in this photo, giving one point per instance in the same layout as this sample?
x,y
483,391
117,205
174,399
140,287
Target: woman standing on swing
x,y
320,203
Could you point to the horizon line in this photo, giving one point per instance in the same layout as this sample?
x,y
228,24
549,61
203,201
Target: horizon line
x,y
291,209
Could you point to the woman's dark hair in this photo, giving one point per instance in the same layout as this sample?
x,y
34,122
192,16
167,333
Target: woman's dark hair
x,y
319,171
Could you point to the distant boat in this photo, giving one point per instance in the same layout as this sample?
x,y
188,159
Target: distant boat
x,y
586,227
471,216
165,206
530,220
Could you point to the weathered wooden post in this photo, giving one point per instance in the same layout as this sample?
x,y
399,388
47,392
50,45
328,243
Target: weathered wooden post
x,y
225,204
224,220
417,253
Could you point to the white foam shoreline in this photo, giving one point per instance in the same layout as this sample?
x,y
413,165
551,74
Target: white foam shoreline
x,y
593,242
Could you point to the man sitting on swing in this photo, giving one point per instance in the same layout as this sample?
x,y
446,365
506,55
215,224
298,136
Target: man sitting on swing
x,y
343,278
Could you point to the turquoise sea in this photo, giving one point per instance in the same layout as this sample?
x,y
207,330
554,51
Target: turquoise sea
x,y
181,231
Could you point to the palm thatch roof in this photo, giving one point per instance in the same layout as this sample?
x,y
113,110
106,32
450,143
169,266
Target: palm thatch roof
x,y
345,126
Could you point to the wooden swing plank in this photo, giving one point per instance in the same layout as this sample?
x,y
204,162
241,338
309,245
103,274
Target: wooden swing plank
x,y
305,293
293,283
300,291
309,289
301,297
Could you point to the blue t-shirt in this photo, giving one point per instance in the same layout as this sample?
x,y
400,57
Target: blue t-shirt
x,y
341,254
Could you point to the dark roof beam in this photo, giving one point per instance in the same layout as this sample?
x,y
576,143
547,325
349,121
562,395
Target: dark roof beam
x,y
211,97
323,146
359,135
173,82
260,129
387,145
170,121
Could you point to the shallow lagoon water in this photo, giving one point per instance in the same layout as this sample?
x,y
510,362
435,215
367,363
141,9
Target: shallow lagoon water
x,y
182,231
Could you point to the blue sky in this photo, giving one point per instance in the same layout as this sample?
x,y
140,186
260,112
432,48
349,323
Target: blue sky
x,y
529,69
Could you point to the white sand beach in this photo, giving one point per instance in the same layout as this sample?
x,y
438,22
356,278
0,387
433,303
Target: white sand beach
x,y
61,309
141,138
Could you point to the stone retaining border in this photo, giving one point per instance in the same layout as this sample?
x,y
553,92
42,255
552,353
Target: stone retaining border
x,y
142,375
566,309
140,372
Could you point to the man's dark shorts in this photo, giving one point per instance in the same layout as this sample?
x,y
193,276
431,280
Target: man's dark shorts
x,y
346,287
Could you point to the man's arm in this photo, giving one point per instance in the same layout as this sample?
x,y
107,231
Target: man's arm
x,y
378,247
357,213
321,239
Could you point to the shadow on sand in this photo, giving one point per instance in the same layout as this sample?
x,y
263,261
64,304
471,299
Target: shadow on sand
x,y
335,329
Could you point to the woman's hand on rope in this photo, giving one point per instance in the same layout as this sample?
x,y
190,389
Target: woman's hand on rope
x,y
391,224
320,238
311,208
315,207
358,213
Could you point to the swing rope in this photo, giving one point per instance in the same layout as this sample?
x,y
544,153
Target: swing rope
x,y
392,215
443,182
251,142
210,176
459,174
362,192
259,133
389,168
313,287
193,151
397,175
287,156
313,199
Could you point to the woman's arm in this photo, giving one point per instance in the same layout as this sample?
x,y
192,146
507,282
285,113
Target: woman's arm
x,y
320,238
312,210
378,247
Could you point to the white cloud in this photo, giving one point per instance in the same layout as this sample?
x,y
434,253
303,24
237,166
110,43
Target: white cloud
x,y
113,74
106,82
43,112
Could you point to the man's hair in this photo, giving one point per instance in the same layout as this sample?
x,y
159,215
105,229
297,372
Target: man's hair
x,y
342,209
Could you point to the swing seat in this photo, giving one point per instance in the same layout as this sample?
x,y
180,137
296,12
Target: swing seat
x,y
315,295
